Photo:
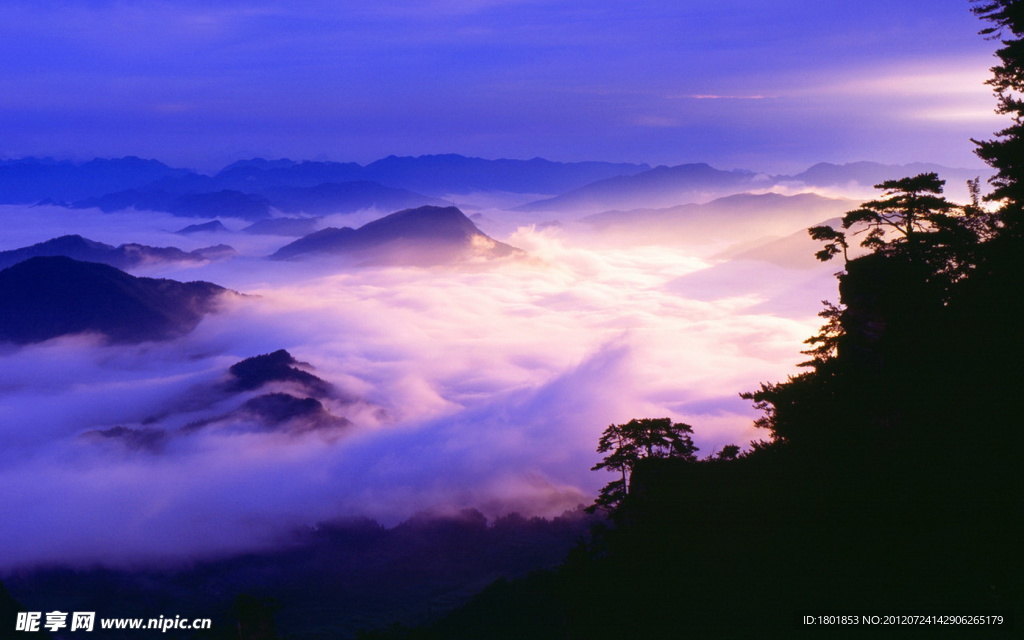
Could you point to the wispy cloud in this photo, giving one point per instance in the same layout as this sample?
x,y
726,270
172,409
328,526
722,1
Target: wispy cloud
x,y
709,96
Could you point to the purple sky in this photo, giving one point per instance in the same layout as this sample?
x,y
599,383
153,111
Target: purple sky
x,y
737,83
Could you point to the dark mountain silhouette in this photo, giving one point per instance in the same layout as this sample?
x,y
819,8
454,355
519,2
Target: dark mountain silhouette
x,y
292,400
31,179
135,439
259,175
273,409
47,297
279,366
9,609
216,252
658,187
213,226
295,227
426,235
452,173
124,256
269,392
434,175
345,197
277,411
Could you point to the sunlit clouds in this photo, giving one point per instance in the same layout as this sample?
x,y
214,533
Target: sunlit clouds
x,y
478,386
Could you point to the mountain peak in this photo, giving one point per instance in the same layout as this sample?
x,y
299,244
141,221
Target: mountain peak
x,y
423,235
49,296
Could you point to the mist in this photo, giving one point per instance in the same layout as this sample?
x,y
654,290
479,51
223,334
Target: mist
x,y
480,386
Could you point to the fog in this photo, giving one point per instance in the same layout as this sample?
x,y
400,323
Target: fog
x,y
482,385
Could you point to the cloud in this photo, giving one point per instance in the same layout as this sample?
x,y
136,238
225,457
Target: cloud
x,y
483,387
700,96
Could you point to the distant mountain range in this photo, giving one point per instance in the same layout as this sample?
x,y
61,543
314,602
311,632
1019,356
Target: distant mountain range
x,y
325,198
258,189
662,186
125,256
46,297
32,179
422,236
435,175
249,189
689,183
724,219
825,174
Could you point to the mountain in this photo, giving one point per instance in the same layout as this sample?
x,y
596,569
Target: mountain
x,y
452,173
232,204
868,174
141,199
295,227
345,197
269,392
280,367
732,218
210,204
434,175
422,236
213,226
872,173
47,297
124,256
259,175
259,200
275,412
291,398
658,187
30,180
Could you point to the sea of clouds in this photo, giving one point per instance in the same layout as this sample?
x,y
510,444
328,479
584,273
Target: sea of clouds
x,y
481,386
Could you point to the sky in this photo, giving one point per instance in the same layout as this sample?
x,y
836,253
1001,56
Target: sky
x,y
768,86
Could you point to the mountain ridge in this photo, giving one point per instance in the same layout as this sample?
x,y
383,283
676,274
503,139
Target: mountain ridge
x,y
50,296
424,235
122,257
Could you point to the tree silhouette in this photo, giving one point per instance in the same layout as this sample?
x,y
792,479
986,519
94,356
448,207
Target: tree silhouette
x,y
914,222
1005,153
627,444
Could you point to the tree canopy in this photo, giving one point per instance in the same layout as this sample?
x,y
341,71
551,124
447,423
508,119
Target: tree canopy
x,y
639,439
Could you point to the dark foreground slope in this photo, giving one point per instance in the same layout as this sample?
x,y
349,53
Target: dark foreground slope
x,y
891,484
46,297
324,582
